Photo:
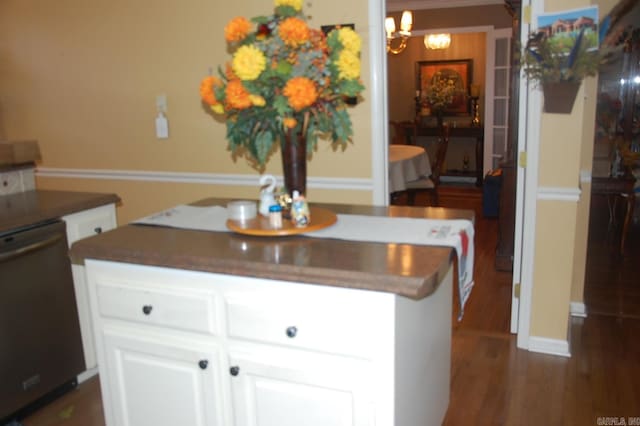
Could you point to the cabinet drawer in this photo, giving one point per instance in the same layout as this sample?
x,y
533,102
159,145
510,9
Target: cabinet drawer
x,y
338,328
186,310
10,182
90,222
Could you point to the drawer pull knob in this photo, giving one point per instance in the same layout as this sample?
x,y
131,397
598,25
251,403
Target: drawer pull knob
x,y
292,331
234,370
98,229
146,309
203,364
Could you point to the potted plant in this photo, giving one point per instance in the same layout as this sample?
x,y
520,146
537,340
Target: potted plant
x,y
440,94
559,64
287,85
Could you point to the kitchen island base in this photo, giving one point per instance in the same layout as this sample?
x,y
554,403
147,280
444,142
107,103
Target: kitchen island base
x,y
200,348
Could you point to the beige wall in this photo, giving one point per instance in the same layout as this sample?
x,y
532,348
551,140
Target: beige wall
x,y
82,77
566,149
143,198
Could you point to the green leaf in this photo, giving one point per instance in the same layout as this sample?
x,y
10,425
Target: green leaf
x,y
262,19
333,41
281,105
284,68
286,11
263,143
351,87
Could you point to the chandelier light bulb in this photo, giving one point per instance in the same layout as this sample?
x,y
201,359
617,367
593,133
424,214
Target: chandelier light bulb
x,y
397,41
437,41
390,26
406,22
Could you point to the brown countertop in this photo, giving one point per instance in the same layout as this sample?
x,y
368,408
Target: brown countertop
x,y
409,270
30,207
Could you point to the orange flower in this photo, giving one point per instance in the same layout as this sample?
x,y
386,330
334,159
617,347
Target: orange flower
x,y
206,89
237,96
237,29
294,31
228,72
301,92
289,122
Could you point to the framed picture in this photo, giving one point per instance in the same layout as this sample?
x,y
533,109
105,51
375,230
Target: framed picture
x,y
458,70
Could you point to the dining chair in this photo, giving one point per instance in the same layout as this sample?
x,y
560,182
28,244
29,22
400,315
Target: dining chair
x,y
404,133
430,184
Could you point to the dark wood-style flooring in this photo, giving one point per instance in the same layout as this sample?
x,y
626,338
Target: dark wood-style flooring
x,y
493,382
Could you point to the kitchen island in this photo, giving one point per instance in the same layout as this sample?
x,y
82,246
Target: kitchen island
x,y
218,328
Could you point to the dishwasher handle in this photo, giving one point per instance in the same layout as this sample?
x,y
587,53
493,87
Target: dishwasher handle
x,y
21,251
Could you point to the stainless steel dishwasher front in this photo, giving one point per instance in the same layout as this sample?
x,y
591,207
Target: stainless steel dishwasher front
x,y
40,343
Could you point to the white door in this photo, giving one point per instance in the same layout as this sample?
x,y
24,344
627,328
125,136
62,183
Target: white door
x,y
157,383
292,388
498,71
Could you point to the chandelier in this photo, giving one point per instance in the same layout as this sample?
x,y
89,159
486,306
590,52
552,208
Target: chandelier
x,y
437,41
403,35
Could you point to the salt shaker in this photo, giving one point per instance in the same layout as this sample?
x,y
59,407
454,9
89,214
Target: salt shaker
x,y
300,215
275,216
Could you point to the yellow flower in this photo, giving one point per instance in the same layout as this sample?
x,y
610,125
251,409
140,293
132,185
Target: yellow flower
x,y
350,40
295,4
301,92
257,100
237,29
237,97
349,65
248,62
206,89
293,31
289,122
217,108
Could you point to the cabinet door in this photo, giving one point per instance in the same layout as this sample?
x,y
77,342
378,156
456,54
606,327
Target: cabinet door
x,y
82,225
160,382
293,388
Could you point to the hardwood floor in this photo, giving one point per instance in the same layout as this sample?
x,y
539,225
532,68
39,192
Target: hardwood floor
x,y
493,382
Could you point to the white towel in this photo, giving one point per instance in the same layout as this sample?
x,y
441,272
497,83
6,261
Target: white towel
x,y
456,233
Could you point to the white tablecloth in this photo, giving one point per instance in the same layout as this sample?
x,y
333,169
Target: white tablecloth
x,y
406,163
457,234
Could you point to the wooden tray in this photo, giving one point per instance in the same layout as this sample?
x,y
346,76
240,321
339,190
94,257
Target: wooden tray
x,y
320,218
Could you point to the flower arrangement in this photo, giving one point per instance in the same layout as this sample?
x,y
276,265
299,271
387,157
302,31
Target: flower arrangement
x,y
440,94
570,58
285,78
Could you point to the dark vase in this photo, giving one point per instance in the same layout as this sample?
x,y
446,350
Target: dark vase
x,y
294,162
559,97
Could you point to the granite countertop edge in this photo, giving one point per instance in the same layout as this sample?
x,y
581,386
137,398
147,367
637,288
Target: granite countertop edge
x,y
142,245
32,207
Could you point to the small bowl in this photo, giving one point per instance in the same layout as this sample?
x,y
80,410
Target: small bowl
x,y
242,210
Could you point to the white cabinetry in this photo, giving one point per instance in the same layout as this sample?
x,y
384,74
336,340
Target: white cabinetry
x,y
275,353
141,366
81,225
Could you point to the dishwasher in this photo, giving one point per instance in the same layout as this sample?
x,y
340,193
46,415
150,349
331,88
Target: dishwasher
x,y
40,344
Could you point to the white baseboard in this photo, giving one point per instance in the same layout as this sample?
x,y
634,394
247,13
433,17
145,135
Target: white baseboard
x,y
86,375
578,309
549,346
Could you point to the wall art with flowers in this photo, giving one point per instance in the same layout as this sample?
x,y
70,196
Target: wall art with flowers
x,y
285,78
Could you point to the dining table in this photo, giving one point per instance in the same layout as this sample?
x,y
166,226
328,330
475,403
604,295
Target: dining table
x,y
406,163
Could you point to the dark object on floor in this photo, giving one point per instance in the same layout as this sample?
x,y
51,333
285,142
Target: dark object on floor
x,y
491,193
